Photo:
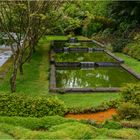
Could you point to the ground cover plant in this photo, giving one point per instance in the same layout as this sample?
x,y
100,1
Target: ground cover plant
x,y
53,127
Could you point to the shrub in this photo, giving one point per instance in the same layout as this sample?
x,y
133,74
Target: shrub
x,y
1,38
119,44
133,49
128,110
131,93
17,105
124,134
131,124
129,107
112,125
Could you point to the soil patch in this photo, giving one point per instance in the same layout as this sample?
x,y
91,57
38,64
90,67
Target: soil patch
x,y
99,116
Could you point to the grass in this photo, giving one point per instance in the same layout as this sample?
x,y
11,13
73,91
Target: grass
x,y
86,100
5,136
131,62
55,127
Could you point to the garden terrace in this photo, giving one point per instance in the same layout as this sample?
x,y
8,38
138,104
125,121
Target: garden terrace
x,y
93,69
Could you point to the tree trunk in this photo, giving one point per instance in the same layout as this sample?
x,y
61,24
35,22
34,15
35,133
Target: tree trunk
x,y
34,50
21,64
21,69
30,54
15,70
14,75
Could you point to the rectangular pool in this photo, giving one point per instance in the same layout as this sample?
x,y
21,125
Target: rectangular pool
x,y
93,78
83,57
61,44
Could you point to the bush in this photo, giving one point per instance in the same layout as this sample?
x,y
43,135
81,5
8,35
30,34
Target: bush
x,y
112,125
129,107
124,134
17,105
1,39
133,48
119,44
128,110
131,124
131,93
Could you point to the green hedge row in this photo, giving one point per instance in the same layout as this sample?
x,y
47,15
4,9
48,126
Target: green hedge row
x,y
19,105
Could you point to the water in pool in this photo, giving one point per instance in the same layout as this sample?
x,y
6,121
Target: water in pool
x,y
91,78
60,44
83,57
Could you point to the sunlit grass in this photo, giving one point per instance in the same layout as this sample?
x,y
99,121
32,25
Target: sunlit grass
x,y
130,62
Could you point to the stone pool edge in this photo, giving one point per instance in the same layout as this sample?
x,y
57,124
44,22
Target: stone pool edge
x,y
54,89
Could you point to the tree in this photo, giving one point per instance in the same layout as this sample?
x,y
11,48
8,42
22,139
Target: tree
x,y
25,22
17,30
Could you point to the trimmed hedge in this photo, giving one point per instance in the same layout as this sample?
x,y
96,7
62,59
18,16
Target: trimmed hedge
x,y
19,105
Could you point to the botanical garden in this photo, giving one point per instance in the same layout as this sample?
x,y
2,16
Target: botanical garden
x,y
69,69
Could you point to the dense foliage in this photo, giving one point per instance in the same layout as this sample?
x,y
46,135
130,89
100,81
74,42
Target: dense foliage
x,y
55,127
133,48
18,105
130,105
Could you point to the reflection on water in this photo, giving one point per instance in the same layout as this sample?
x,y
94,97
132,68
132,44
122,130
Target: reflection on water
x,y
61,44
83,57
90,78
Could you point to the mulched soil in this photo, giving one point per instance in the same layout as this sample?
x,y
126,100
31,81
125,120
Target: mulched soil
x,y
99,116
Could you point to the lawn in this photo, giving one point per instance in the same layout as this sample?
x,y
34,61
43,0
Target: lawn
x,y
35,82
130,62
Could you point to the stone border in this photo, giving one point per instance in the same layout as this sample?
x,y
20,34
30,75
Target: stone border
x,y
87,49
113,56
88,90
54,89
136,75
98,43
86,64
52,83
